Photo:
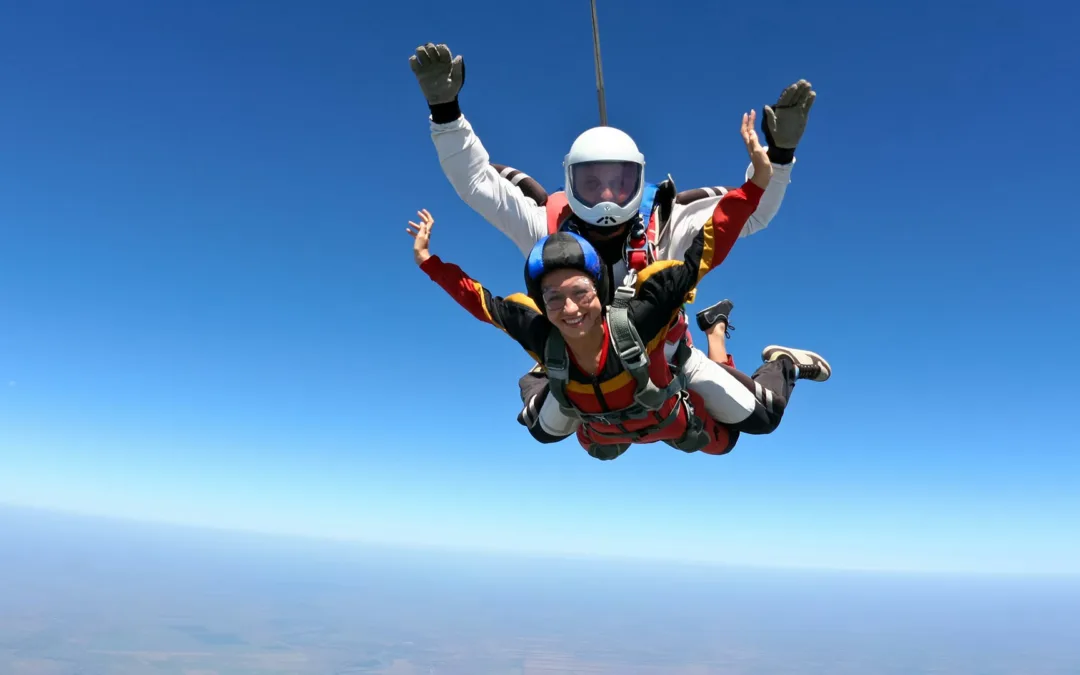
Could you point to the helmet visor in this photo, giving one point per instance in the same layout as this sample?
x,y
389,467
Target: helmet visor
x,y
594,183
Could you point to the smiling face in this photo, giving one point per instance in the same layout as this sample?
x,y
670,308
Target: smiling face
x,y
571,302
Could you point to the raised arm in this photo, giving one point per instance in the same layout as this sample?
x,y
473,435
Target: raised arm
x,y
516,315
462,156
663,286
694,208
783,125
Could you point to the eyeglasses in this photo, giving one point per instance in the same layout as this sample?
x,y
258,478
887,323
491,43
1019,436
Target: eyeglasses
x,y
581,296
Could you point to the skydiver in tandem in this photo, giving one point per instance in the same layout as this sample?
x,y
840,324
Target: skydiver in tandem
x,y
603,351
629,222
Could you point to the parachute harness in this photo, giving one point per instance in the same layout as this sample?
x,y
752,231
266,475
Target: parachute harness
x,y
648,397
639,251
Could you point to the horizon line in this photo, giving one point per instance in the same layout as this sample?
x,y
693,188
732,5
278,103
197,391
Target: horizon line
x,y
129,520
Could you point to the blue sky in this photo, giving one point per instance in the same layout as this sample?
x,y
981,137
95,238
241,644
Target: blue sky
x,y
209,312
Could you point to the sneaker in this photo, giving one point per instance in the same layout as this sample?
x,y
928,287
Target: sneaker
x,y
710,316
811,366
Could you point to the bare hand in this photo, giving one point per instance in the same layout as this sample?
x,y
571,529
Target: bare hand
x,y
758,157
421,236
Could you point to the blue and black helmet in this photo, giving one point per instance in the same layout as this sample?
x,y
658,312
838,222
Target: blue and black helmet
x,y
564,250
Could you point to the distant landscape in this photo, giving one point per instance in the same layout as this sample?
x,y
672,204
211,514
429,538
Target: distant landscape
x,y
83,596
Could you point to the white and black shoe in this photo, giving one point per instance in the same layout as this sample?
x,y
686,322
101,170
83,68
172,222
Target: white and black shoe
x,y
811,365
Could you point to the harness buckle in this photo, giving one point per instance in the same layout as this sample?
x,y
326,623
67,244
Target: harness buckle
x,y
625,292
633,355
637,241
646,248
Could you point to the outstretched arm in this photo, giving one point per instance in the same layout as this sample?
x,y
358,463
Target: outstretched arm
x,y
716,239
663,286
770,200
782,125
694,208
517,315
463,158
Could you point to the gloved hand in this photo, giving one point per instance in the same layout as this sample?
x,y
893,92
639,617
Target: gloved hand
x,y
441,78
783,124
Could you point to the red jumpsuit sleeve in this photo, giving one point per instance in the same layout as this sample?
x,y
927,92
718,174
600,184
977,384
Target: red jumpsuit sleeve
x,y
662,287
516,315
720,233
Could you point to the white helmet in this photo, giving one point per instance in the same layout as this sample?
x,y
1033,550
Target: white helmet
x,y
605,177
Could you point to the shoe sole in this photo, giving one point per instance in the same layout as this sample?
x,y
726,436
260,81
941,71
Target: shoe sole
x,y
769,354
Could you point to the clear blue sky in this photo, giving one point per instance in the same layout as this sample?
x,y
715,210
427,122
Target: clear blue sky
x,y
209,312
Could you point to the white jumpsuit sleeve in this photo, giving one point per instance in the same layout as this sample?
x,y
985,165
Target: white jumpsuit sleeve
x,y
770,201
687,220
467,166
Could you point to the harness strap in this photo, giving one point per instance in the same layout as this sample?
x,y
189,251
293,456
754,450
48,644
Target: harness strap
x,y
694,438
648,198
557,365
632,352
642,433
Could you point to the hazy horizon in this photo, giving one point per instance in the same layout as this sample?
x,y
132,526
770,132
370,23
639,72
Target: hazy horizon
x,y
11,512
102,596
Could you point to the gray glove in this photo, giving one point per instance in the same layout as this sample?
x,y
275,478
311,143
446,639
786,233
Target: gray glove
x,y
785,122
440,77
